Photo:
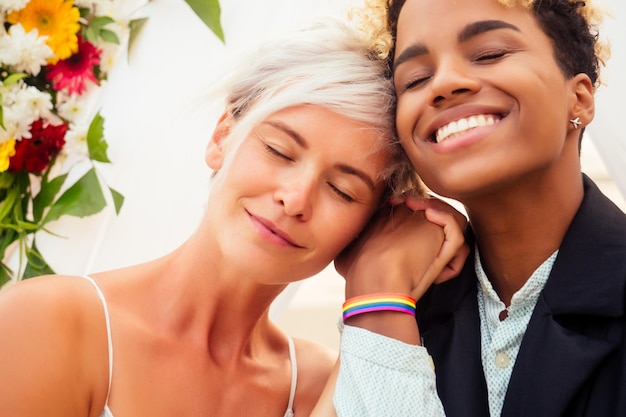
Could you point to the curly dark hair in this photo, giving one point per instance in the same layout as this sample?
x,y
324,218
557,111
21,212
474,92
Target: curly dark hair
x,y
568,23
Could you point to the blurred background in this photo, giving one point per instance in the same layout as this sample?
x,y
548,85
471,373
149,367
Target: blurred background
x,y
157,126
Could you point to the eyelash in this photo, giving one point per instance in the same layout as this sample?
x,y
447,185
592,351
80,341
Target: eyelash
x,y
415,83
274,152
336,190
485,56
490,55
341,194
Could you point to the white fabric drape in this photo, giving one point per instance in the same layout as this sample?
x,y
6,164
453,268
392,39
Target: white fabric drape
x,y
606,131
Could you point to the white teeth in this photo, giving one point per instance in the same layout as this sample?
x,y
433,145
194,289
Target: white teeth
x,y
462,125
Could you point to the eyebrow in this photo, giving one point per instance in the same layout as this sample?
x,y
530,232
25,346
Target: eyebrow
x,y
478,28
346,169
467,33
289,131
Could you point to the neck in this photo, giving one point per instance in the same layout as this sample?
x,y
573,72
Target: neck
x,y
209,301
519,228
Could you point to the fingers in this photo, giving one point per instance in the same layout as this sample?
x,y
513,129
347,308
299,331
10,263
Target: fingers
x,y
455,266
454,250
416,204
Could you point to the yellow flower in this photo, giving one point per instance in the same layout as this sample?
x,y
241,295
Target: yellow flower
x,y
7,150
56,19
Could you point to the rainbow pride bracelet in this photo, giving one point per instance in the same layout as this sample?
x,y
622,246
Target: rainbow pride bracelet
x,y
386,301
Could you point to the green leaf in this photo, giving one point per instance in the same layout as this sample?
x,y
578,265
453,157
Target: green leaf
x,y
2,114
109,36
209,12
36,264
7,179
28,227
118,200
95,140
135,27
6,205
91,33
101,21
82,199
7,237
84,12
5,274
13,78
96,30
48,192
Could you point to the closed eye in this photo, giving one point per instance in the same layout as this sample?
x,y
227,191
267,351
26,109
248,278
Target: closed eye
x,y
274,152
490,56
415,83
341,194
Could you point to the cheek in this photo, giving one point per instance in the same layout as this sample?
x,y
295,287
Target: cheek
x,y
406,117
342,227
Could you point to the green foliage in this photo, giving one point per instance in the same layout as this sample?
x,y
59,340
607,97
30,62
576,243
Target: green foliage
x,y
37,186
135,27
95,140
24,211
209,12
96,29
82,199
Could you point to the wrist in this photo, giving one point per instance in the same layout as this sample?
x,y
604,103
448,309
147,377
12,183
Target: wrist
x,y
374,282
399,326
390,314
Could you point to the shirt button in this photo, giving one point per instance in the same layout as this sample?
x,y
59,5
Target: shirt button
x,y
502,360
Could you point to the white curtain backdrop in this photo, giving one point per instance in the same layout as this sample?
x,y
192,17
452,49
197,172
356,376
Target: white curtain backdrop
x,y
607,130
157,130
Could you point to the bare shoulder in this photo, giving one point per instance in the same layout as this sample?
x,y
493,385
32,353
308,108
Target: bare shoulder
x,y
315,363
51,339
44,301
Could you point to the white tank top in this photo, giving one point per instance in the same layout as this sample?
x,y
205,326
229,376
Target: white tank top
x,y
107,412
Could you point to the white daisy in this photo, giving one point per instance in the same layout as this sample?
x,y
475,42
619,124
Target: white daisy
x,y
24,52
22,105
8,6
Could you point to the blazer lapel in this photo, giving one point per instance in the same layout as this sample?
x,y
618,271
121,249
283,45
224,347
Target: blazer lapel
x,y
451,331
567,338
551,367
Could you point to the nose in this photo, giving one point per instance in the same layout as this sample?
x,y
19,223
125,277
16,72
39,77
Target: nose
x,y
296,196
453,78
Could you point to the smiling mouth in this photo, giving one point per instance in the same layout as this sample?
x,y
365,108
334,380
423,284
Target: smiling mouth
x,y
269,230
460,126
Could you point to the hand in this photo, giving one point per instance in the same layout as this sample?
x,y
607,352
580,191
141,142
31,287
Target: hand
x,y
438,212
405,248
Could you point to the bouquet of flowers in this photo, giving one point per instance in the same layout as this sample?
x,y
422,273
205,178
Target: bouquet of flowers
x,y
54,56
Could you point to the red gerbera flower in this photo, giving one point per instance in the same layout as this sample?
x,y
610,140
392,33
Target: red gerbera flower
x,y
73,74
34,154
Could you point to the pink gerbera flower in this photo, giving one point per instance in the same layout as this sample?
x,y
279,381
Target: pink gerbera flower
x,y
74,73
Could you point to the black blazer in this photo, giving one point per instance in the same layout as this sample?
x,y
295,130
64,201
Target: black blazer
x,y
572,361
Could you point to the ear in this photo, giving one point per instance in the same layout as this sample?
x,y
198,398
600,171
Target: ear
x,y
583,103
214,155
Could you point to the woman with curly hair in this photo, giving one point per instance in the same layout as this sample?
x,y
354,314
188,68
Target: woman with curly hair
x,y
493,99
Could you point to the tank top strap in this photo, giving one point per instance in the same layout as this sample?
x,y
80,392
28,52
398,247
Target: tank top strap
x,y
108,328
294,377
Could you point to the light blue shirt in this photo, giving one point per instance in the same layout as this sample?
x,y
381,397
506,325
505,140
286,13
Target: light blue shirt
x,y
381,376
501,340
